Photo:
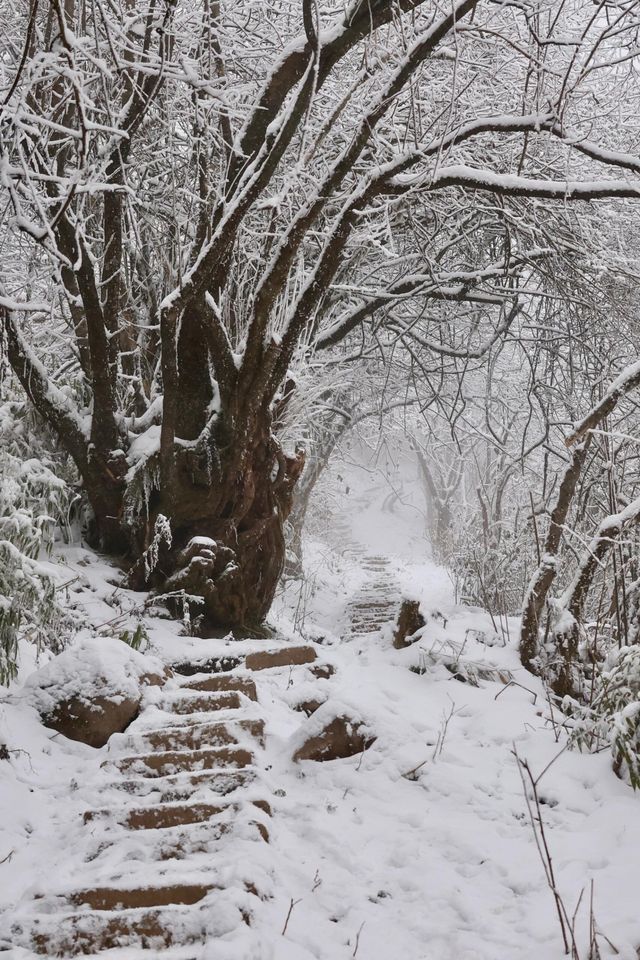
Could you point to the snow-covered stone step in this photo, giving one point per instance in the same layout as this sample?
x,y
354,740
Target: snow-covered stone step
x,y
209,837
195,736
385,611
222,683
180,786
193,702
174,761
134,898
255,658
188,852
167,815
359,625
152,929
376,619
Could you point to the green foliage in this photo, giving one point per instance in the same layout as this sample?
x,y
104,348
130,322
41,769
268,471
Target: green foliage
x,y
35,500
613,716
28,606
137,638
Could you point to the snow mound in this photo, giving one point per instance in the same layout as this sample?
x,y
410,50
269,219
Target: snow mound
x,y
102,666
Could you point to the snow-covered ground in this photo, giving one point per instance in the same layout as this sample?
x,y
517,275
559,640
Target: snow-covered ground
x,y
419,848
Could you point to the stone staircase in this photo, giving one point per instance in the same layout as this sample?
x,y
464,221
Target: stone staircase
x,y
169,854
377,602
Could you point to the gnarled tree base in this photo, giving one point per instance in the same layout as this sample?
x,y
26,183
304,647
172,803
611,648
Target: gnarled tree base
x,y
226,547
235,574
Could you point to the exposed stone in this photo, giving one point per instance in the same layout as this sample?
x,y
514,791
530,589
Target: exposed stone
x,y
309,706
162,815
223,683
214,665
114,898
286,657
341,738
94,721
410,620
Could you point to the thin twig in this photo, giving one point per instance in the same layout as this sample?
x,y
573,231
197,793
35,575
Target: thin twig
x,y
355,949
540,837
289,912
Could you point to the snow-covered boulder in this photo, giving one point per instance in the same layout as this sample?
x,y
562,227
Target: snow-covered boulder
x,y
93,689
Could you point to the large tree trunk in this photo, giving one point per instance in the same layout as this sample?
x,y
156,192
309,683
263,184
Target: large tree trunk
x,y
226,523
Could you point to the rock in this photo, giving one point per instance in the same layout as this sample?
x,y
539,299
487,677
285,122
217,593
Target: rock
x,y
410,620
309,706
92,721
341,738
323,671
93,689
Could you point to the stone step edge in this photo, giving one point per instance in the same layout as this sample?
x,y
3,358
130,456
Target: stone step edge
x,y
184,779
116,813
285,656
234,730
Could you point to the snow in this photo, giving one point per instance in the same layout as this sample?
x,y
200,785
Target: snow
x,y
421,847
479,179
202,542
8,303
105,664
145,445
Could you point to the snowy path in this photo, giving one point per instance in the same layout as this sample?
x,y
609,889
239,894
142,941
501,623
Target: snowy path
x,y
377,601
165,859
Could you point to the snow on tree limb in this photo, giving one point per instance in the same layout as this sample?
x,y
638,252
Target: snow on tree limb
x,y
628,380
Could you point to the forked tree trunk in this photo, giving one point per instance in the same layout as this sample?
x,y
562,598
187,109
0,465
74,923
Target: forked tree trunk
x,y
542,580
227,530
226,495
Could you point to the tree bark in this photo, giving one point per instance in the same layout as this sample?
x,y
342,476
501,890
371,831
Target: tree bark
x,y
227,525
545,574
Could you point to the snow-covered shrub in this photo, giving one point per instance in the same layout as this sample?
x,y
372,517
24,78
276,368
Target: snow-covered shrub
x,y
613,716
161,534
35,500
28,607
491,571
